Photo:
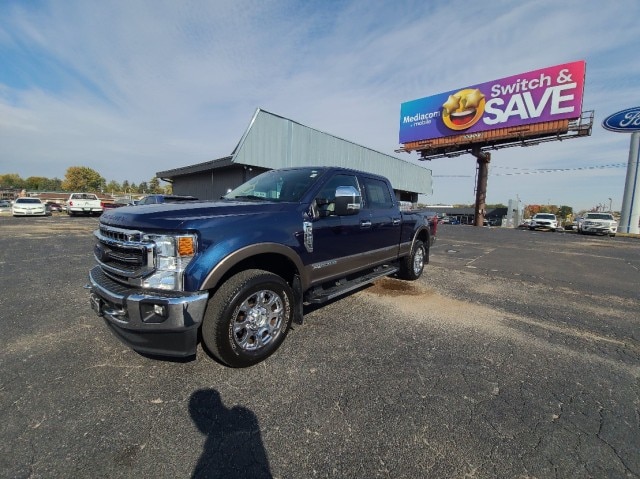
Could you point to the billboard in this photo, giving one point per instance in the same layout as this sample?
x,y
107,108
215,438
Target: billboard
x,y
545,95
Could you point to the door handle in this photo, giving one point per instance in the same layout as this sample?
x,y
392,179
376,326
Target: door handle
x,y
365,224
396,221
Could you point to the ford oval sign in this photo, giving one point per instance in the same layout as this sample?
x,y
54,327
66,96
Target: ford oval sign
x,y
626,120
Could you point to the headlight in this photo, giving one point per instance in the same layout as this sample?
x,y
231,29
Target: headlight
x,y
172,255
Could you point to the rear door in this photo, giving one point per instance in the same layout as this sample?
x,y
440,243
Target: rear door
x,y
379,220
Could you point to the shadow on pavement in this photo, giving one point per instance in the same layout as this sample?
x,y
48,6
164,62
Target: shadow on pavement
x,y
233,448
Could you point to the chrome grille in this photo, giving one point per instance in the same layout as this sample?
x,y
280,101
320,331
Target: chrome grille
x,y
123,254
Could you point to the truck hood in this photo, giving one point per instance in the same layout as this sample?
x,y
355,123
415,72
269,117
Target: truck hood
x,y
190,215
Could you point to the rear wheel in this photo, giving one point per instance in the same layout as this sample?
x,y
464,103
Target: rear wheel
x,y
248,318
411,266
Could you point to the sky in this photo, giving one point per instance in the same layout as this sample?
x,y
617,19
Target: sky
x,y
129,88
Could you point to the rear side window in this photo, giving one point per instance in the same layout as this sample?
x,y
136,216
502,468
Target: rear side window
x,y
377,194
83,196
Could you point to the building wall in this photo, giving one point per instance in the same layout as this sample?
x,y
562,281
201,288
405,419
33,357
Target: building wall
x,y
213,184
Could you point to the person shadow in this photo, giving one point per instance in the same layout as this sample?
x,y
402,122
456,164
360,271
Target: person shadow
x,y
233,446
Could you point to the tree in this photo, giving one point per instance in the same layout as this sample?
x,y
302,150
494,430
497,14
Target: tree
x,y
531,210
154,185
37,183
11,180
113,186
82,178
143,187
565,211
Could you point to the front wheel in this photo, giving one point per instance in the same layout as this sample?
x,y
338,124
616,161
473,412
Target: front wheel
x,y
248,318
411,266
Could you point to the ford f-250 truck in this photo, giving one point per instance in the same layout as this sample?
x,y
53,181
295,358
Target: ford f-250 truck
x,y
237,271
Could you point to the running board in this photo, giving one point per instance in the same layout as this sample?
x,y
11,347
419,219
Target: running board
x,y
321,295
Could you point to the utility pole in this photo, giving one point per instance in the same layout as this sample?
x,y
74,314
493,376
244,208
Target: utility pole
x,y
483,160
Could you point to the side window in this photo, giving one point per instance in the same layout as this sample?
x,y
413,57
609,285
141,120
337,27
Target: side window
x,y
377,194
327,194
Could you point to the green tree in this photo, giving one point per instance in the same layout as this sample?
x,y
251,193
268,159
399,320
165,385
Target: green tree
x,y
53,184
565,211
113,187
11,180
125,186
143,187
154,185
37,183
82,178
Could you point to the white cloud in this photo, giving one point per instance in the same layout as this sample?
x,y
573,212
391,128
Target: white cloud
x,y
134,87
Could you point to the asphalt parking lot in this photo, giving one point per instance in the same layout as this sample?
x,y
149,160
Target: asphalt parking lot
x,y
517,354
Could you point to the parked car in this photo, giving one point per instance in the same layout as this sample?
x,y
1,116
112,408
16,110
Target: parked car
x,y
117,203
54,206
599,223
156,199
28,207
544,221
83,203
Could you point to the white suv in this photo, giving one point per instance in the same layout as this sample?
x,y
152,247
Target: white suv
x,y
603,223
544,221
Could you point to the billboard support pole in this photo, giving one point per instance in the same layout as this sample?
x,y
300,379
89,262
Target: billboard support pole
x,y
483,160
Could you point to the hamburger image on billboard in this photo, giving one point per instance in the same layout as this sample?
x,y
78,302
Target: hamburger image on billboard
x,y
547,94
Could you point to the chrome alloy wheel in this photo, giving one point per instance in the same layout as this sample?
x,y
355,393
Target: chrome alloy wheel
x,y
259,320
418,261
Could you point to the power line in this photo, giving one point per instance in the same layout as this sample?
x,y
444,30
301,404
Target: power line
x,y
525,171
537,171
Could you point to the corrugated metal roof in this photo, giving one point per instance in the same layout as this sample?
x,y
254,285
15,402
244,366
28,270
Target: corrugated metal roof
x,y
272,141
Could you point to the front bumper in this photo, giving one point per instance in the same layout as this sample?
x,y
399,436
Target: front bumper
x,y
602,229
21,212
548,226
161,323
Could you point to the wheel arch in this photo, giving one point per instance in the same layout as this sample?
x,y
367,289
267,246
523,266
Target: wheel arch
x,y
423,235
272,257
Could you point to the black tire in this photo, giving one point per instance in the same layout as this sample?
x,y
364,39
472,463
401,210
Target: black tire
x,y
411,266
237,341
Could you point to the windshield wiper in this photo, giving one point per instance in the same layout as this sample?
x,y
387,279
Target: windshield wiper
x,y
248,197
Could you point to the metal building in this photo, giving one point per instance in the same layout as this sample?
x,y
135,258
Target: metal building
x,y
272,141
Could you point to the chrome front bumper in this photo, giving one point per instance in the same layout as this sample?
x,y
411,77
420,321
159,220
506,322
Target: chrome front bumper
x,y
149,322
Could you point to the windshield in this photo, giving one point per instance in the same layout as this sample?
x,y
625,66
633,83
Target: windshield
x,y
29,200
598,216
545,216
277,185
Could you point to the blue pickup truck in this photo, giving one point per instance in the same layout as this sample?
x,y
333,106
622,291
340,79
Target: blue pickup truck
x,y
237,271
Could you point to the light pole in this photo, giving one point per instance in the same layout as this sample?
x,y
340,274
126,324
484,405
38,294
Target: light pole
x,y
610,200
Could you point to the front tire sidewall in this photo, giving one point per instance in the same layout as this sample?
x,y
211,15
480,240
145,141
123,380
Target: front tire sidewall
x,y
217,327
407,267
